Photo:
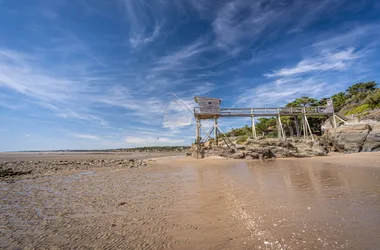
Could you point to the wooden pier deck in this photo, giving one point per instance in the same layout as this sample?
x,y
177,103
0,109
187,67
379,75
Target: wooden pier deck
x,y
260,112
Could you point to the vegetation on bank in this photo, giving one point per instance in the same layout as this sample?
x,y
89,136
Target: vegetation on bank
x,y
358,100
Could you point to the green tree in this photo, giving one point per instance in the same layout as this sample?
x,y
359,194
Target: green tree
x,y
265,124
303,101
339,100
362,87
373,100
307,101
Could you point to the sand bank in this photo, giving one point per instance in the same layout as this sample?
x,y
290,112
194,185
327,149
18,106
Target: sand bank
x,y
324,203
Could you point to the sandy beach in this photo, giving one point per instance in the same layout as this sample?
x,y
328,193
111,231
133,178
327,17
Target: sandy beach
x,y
328,202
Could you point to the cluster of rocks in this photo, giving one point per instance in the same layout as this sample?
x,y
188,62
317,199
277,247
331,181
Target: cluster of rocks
x,y
261,148
353,138
16,168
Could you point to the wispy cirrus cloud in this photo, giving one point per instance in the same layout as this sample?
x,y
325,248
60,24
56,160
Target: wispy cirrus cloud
x,y
145,21
86,136
239,24
328,61
151,141
318,74
278,93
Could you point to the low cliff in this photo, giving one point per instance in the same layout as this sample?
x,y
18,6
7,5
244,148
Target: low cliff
x,y
261,148
353,138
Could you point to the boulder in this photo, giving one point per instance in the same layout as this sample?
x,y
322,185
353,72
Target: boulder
x,y
349,138
372,142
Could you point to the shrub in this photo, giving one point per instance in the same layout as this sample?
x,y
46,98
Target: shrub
x,y
242,139
373,100
358,110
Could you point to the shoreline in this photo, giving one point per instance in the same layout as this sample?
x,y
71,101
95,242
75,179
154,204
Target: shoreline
x,y
34,166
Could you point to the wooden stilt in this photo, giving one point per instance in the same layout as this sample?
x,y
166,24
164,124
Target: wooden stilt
x,y
304,124
298,133
334,120
198,139
281,128
278,127
216,130
208,134
308,127
253,126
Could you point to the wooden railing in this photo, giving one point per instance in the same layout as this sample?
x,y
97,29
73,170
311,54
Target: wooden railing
x,y
286,111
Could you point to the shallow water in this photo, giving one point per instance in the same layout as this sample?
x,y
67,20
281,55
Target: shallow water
x,y
205,204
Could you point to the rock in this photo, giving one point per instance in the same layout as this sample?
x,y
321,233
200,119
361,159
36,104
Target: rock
x,y
208,144
240,147
8,172
238,155
265,148
349,138
372,142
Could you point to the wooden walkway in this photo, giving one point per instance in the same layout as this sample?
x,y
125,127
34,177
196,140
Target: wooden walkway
x,y
260,112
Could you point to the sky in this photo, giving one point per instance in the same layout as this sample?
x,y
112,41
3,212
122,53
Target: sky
x,y
95,74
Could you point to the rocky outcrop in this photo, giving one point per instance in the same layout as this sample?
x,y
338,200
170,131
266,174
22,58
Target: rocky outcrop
x,y
372,142
262,148
353,138
18,168
349,139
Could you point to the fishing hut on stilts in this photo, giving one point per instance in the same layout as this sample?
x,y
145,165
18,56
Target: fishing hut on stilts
x,y
209,108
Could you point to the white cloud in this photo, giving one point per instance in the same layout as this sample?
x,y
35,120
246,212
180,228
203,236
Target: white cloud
x,y
17,73
184,57
239,21
152,141
276,93
329,61
145,21
85,136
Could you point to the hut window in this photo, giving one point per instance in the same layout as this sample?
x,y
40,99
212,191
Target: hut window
x,y
209,103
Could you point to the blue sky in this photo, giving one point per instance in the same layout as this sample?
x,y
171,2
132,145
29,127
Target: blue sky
x,y
99,74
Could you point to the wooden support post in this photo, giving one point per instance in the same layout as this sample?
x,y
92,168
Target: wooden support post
x,y
198,136
334,120
304,123
278,126
308,127
208,134
216,130
297,126
253,125
198,132
281,128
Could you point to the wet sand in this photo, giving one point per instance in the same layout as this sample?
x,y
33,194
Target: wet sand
x,y
312,203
